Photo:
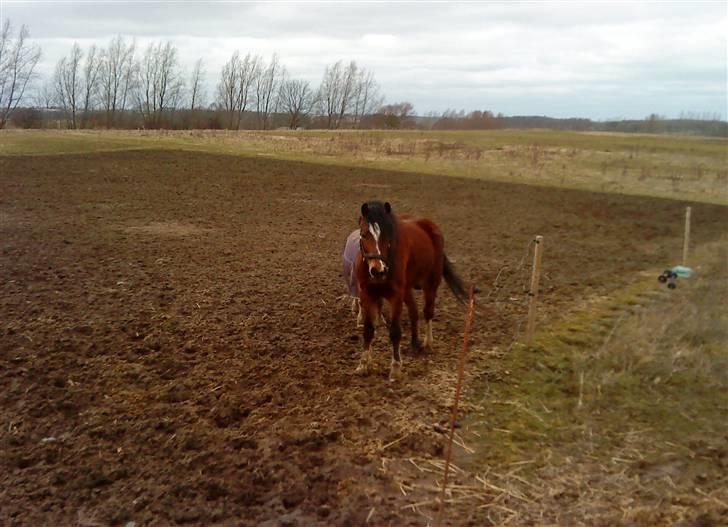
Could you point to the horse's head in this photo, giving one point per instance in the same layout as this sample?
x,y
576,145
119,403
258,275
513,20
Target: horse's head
x,y
377,238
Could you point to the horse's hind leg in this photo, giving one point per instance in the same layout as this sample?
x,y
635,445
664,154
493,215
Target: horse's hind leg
x,y
430,294
395,335
409,299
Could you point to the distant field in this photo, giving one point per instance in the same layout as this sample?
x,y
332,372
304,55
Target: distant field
x,y
689,168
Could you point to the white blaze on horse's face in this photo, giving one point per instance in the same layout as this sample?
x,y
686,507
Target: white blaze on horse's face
x,y
377,267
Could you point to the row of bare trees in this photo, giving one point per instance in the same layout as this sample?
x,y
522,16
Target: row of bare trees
x,y
105,83
240,82
347,91
113,80
346,94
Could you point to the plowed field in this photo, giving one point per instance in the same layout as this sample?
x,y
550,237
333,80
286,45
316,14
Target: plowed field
x,y
175,346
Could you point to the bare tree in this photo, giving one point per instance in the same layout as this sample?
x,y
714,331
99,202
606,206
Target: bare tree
x,y
159,83
250,71
197,90
329,93
146,85
116,77
227,87
338,91
91,70
348,91
171,82
237,78
45,95
296,99
67,83
266,89
398,115
366,96
18,59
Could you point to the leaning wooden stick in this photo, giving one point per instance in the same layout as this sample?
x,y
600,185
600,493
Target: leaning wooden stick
x,y
535,276
458,389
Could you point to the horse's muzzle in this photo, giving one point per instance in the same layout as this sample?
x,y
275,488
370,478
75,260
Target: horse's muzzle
x,y
376,273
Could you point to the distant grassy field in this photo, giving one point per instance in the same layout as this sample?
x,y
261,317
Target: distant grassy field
x,y
690,168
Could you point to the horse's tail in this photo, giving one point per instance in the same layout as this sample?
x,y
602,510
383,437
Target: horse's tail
x,y
454,282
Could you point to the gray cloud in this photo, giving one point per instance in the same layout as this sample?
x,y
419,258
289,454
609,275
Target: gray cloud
x,y
588,59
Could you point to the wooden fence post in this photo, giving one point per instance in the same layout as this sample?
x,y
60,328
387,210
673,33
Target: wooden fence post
x,y
686,241
533,292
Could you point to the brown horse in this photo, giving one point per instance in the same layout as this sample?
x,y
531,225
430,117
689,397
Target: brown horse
x,y
398,254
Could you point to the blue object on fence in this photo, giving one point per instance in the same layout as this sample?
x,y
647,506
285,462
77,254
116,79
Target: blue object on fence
x,y
682,271
670,275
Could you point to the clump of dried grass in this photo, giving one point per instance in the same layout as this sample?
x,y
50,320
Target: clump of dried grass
x,y
684,336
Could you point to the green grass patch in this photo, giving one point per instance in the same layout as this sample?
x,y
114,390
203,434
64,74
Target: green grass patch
x,y
615,360
34,142
624,406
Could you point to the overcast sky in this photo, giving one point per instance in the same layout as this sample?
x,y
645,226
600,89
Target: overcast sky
x,y
599,60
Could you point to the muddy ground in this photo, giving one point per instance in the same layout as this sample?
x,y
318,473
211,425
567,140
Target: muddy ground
x,y
175,347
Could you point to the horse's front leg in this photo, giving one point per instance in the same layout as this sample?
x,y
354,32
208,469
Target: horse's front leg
x,y
370,310
356,308
395,335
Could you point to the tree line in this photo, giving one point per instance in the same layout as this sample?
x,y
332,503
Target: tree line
x,y
687,124
121,85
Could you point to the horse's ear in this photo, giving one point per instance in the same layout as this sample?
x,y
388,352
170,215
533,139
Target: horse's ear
x,y
364,210
387,208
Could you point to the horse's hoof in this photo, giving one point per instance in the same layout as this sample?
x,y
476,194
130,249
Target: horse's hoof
x,y
362,369
395,372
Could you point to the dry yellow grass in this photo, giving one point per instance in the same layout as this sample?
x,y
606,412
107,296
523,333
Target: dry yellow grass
x,y
617,416
691,168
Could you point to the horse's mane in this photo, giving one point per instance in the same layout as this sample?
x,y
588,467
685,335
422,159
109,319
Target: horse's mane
x,y
376,213
387,221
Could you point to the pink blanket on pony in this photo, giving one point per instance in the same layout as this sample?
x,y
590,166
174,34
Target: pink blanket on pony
x,y
351,250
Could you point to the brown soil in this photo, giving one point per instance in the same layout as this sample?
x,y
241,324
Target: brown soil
x,y
175,348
